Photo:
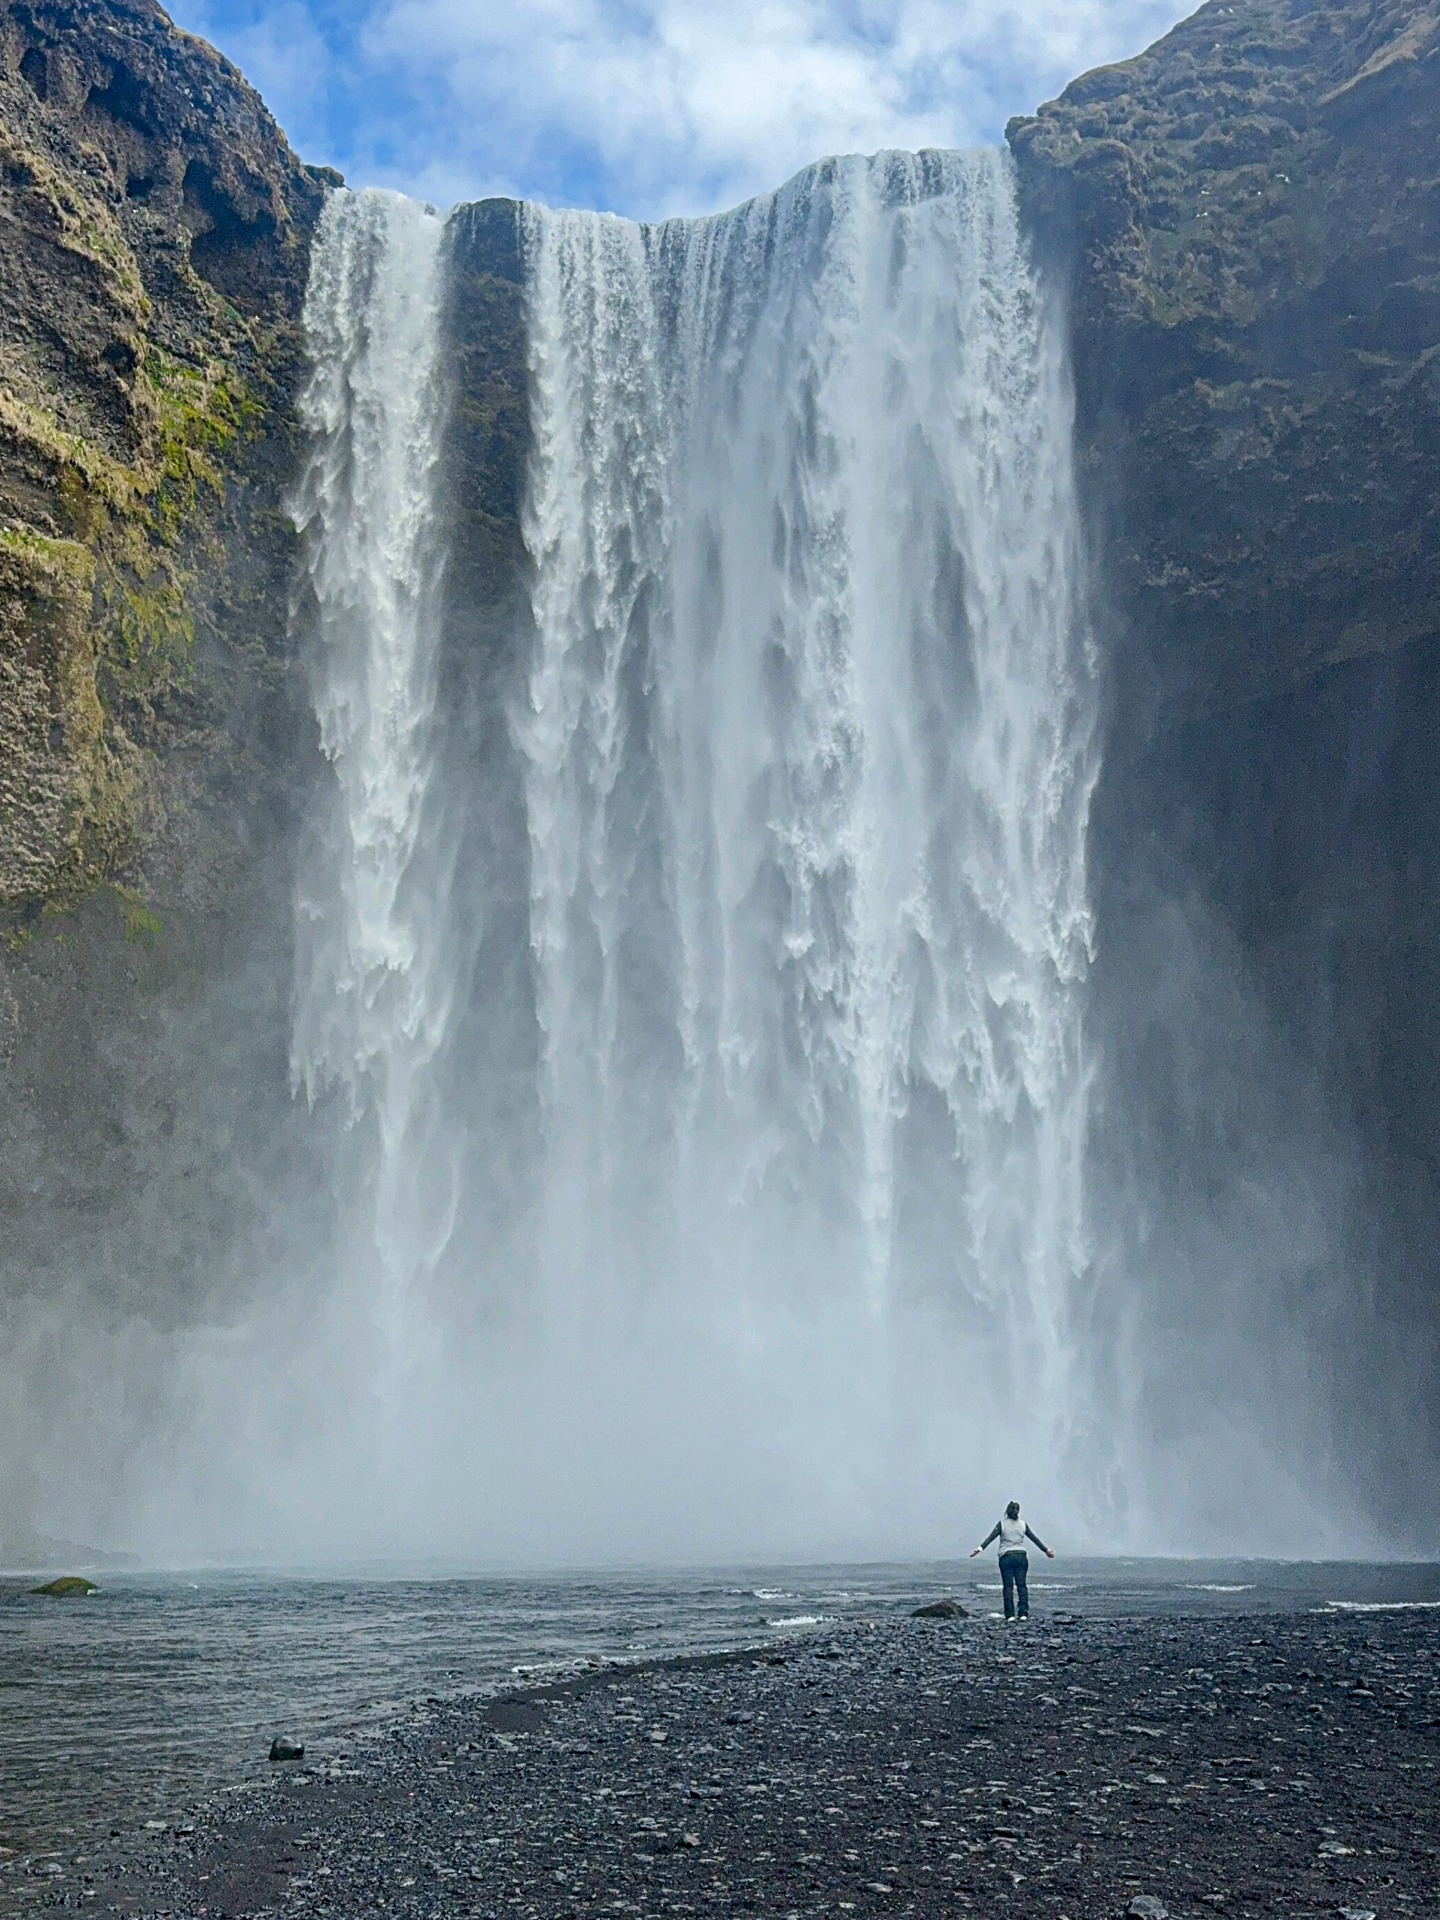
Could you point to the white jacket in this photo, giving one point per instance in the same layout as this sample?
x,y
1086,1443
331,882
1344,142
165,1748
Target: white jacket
x,y
1012,1535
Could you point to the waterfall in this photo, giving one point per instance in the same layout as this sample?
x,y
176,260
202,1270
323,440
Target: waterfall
x,y
799,735
371,1001
807,745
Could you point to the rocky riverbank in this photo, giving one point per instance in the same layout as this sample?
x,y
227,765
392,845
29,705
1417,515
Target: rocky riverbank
x,y
1277,1764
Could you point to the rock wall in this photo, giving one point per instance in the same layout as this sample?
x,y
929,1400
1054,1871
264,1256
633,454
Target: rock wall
x,y
1252,213
1248,216
485,660
154,232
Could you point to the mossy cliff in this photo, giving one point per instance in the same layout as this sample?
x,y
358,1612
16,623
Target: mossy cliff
x,y
1248,218
1251,213
155,229
155,236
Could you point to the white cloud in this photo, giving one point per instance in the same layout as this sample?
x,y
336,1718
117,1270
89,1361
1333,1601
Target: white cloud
x,y
651,107
679,106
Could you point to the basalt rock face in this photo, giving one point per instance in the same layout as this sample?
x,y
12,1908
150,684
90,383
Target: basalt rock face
x,y
155,230
485,656
1253,208
155,235
1249,219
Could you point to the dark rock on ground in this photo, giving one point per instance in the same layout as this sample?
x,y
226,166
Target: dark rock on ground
x,y
1077,1768
941,1610
283,1749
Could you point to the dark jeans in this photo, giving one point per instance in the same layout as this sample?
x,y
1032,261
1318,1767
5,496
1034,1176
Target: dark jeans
x,y
1013,1569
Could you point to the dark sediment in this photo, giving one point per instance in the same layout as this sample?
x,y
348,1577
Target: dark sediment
x,y
1260,1765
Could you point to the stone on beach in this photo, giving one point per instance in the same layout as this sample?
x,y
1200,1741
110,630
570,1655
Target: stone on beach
x,y
888,1757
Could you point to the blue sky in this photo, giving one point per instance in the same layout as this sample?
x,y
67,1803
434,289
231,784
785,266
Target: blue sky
x,y
650,107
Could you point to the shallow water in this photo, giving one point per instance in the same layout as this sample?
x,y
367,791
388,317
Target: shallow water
x,y
127,1705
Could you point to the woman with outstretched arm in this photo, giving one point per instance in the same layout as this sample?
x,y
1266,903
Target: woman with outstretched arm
x,y
1014,1561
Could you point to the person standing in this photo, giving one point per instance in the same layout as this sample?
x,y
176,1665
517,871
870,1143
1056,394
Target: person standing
x,y
1014,1560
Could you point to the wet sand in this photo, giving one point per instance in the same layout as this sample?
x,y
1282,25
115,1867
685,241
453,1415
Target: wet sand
x,y
1278,1764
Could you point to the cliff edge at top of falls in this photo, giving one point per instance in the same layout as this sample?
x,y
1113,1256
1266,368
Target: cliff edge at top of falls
x,y
155,228
1250,212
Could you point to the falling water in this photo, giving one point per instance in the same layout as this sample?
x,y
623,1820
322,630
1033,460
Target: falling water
x,y
807,746
370,1004
800,735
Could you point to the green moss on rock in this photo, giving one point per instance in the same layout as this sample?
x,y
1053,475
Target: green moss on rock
x,y
143,927
52,750
156,240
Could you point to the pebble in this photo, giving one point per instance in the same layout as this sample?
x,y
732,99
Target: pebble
x,y
895,1769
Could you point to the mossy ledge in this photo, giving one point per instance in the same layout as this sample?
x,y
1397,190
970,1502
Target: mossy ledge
x,y
156,738
156,232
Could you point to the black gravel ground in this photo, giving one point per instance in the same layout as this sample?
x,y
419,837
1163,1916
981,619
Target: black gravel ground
x,y
1280,1764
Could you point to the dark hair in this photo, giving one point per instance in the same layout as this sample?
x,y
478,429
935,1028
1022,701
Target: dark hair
x,y
1012,1512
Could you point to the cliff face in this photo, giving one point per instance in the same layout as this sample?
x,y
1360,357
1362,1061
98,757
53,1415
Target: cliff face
x,y
1249,219
1252,209
154,233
